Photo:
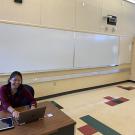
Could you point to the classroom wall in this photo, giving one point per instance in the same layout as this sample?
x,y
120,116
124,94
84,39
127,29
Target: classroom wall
x,y
58,86
132,77
44,88
73,15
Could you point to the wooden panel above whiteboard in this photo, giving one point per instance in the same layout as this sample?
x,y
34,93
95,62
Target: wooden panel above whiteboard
x,y
26,13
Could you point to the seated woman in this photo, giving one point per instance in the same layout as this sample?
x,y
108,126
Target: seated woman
x,y
15,94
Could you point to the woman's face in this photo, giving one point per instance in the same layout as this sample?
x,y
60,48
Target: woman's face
x,y
15,82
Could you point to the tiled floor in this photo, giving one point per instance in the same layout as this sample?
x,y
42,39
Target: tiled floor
x,y
106,119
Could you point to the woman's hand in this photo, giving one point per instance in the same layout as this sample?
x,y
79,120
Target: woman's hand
x,y
15,114
33,107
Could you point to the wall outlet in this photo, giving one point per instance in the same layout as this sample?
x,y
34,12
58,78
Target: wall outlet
x,y
54,83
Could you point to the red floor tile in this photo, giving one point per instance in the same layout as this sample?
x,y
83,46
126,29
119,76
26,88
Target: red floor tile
x,y
123,99
127,88
109,98
130,88
87,130
111,103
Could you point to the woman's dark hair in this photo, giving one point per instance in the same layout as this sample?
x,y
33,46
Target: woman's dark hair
x,y
13,74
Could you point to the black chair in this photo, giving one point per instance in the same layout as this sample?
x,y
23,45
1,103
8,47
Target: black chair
x,y
29,89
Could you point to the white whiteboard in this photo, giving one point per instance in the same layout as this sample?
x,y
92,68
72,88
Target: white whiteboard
x,y
94,50
125,50
27,48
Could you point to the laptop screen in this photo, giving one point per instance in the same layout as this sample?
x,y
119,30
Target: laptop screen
x,y
6,123
31,115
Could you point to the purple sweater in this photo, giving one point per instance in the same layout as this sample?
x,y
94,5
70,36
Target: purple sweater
x,y
21,98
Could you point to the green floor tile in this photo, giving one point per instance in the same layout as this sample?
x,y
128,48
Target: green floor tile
x,y
105,130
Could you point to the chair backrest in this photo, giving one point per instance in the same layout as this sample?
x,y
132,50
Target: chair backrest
x,y
29,89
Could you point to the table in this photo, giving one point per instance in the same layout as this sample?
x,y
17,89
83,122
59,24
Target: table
x,y
58,124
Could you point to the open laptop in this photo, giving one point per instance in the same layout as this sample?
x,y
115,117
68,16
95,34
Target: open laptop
x,y
31,115
6,123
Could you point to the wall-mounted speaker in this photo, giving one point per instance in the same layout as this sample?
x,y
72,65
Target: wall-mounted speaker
x,y
111,20
18,1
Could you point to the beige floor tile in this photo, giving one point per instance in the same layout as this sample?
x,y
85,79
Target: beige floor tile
x,y
120,117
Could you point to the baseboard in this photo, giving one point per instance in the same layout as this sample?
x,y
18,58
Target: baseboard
x,y
80,90
131,81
